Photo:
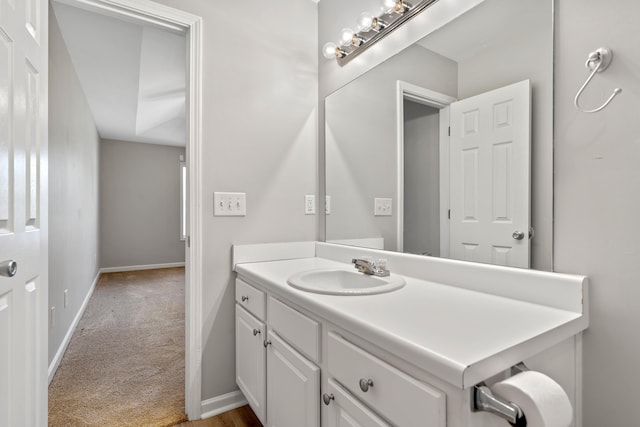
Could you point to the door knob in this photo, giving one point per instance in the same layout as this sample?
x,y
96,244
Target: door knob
x,y
518,235
8,268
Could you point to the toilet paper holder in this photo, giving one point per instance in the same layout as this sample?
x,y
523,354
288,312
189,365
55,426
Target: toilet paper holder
x,y
483,400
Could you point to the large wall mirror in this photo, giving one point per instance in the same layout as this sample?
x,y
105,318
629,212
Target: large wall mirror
x,y
446,149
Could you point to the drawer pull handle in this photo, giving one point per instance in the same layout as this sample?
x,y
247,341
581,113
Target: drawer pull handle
x,y
256,332
327,398
365,384
245,298
266,343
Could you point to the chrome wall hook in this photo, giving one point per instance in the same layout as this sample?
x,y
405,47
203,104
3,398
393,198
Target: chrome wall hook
x,y
597,62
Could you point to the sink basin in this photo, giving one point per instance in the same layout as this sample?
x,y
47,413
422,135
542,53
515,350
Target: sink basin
x,y
344,282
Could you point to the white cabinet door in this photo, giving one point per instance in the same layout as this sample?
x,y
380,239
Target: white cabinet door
x,y
23,212
251,374
293,388
346,411
490,176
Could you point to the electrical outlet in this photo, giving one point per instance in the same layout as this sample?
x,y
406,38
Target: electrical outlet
x,y
66,297
327,205
309,205
229,204
383,207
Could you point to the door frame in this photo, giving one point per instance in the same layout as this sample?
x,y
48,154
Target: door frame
x,y
420,95
190,25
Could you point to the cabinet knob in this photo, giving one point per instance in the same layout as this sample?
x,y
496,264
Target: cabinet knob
x,y
365,384
256,332
266,343
327,398
245,298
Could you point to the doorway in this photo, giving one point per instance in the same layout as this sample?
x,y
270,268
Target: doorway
x,y
422,125
174,20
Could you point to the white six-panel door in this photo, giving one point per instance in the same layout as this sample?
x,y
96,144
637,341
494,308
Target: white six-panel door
x,y
490,171
23,208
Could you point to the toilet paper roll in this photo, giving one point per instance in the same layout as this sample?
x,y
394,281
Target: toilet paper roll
x,y
543,401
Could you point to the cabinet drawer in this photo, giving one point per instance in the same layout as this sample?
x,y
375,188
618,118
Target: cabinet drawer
x,y
399,398
299,331
346,410
251,298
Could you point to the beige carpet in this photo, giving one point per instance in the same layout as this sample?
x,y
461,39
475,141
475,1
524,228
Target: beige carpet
x,y
125,363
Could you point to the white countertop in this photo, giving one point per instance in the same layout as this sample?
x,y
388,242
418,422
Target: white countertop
x,y
459,335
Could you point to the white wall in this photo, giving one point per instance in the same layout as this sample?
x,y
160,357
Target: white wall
x,y
597,204
139,204
73,190
259,105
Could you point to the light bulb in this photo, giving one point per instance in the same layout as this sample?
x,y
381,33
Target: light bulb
x,y
389,6
365,21
329,50
346,36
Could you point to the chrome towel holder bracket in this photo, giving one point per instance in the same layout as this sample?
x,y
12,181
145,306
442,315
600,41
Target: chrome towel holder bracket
x,y
483,400
597,62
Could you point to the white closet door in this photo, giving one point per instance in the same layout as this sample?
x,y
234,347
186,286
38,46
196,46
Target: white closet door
x,y
23,208
490,176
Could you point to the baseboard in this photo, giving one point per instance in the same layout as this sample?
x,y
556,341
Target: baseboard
x,y
219,404
53,367
141,267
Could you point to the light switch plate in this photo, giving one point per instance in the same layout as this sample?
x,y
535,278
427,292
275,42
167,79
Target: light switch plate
x,y
309,204
229,204
383,207
327,205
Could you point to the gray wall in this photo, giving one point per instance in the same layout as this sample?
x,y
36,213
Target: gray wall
x,y
361,142
421,179
139,204
73,190
259,100
597,205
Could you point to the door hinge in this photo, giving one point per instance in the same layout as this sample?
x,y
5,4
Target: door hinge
x,y
188,241
449,214
449,130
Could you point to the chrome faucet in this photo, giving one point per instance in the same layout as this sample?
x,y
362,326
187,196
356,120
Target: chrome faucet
x,y
368,266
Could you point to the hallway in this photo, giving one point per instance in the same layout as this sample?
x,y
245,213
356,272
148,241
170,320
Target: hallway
x,y
125,363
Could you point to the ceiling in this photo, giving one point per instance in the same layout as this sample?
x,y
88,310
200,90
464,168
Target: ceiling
x,y
133,75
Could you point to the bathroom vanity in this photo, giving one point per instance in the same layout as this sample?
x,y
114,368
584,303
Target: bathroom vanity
x,y
406,357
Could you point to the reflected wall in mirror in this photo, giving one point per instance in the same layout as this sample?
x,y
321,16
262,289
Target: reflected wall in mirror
x,y
446,148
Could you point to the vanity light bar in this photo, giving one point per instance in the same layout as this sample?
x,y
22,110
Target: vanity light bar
x,y
371,29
